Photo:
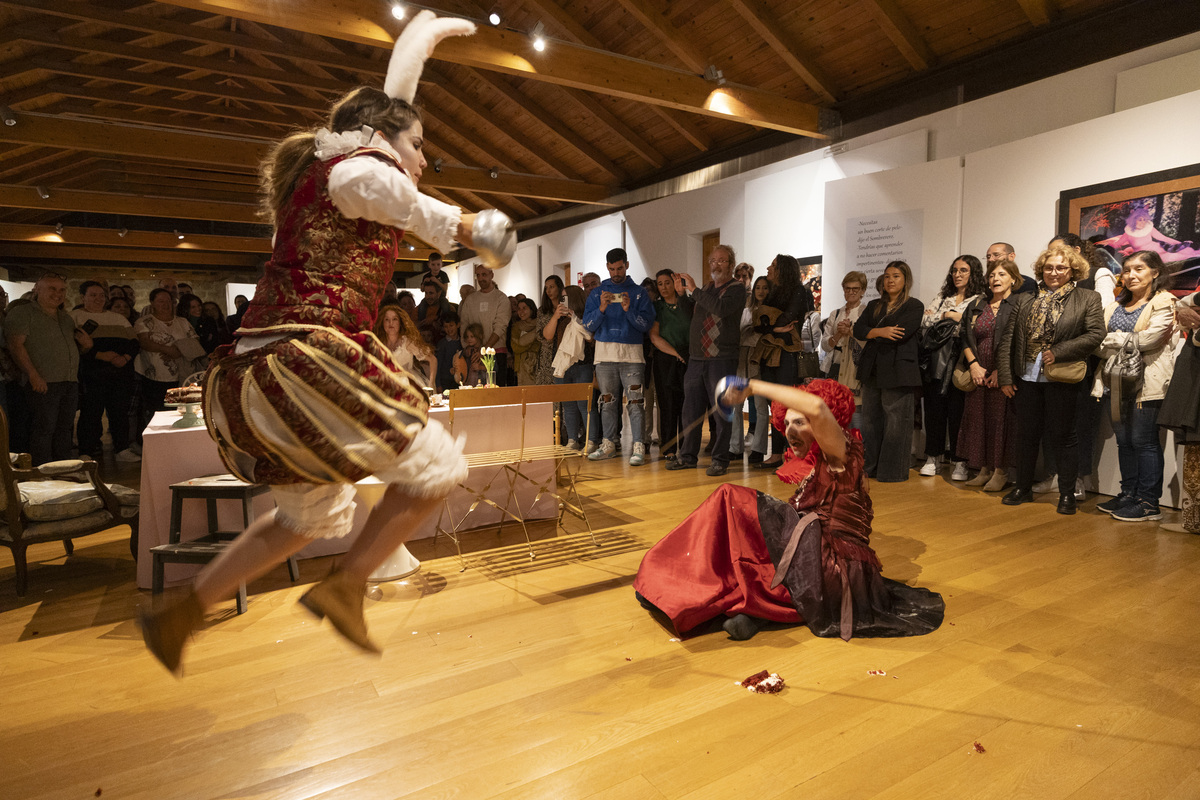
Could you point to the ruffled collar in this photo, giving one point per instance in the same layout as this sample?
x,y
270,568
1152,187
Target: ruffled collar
x,y
330,145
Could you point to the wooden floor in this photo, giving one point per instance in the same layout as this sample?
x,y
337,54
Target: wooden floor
x,y
1070,655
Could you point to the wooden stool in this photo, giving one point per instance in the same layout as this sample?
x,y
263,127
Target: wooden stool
x,y
210,489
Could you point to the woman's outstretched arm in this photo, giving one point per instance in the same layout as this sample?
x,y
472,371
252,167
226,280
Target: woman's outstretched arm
x,y
826,431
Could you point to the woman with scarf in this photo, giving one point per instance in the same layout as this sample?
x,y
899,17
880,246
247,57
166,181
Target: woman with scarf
x,y
1042,363
744,559
308,400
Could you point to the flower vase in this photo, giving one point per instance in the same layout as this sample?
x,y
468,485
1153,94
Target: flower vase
x,y
491,377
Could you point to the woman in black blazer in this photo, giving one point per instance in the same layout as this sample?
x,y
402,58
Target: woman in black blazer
x,y
1042,363
889,374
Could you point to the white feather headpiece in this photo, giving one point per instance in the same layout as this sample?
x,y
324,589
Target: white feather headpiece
x,y
414,46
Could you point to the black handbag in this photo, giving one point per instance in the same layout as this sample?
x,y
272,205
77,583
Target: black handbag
x,y
808,365
1124,371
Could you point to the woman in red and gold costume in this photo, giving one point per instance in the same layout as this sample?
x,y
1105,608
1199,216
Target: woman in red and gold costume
x,y
745,558
307,399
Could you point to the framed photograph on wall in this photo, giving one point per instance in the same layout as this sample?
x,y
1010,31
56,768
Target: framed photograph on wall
x,y
1159,211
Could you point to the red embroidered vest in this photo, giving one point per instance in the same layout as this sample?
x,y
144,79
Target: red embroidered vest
x,y
326,270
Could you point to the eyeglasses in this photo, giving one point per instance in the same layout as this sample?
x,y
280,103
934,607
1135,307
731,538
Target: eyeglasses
x,y
1056,268
854,289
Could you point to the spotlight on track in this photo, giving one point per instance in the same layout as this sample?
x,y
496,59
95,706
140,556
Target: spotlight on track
x,y
398,10
8,116
494,16
494,173
58,229
123,232
178,235
43,192
714,75
538,34
437,164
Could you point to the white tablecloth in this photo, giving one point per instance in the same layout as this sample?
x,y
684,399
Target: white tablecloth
x,y
173,455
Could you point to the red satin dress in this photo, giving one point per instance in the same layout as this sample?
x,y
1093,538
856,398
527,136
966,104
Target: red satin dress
x,y
721,561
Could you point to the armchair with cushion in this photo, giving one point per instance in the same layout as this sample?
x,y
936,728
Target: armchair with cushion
x,y
57,501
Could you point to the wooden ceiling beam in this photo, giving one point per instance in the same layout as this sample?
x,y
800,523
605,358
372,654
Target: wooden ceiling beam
x,y
174,58
225,152
107,203
1040,12
563,63
768,27
259,128
164,101
248,182
161,187
542,117
108,237
161,81
668,34
127,140
58,250
690,132
902,32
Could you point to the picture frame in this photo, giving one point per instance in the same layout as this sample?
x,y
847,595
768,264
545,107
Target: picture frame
x,y
1157,211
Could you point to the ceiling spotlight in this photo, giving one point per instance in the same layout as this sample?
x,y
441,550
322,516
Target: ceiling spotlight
x,y
58,229
538,34
122,232
494,173
398,10
43,192
494,16
411,247
178,235
714,75
437,164
7,115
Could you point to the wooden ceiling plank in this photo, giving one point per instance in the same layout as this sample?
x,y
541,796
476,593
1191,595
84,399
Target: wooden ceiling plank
x,y
250,182
106,203
473,107
23,163
162,81
166,102
668,34
44,174
93,253
771,30
259,129
110,238
896,24
157,188
174,58
610,120
1040,12
202,149
563,64
689,132
544,118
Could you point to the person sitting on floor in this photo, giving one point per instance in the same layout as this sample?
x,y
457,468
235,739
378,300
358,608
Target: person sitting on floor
x,y
746,558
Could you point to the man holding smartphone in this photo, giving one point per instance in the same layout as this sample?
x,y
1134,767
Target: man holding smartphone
x,y
619,315
105,375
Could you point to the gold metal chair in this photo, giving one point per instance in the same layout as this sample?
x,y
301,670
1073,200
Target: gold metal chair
x,y
512,465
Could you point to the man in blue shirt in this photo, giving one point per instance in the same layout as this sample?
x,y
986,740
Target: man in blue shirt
x,y
618,315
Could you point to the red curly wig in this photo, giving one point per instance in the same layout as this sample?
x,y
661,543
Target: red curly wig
x,y
840,402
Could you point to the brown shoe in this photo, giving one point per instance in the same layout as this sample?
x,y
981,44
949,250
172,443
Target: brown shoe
x,y
340,598
167,630
997,482
985,474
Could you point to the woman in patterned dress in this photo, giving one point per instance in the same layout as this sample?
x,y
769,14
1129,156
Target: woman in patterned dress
x,y
307,399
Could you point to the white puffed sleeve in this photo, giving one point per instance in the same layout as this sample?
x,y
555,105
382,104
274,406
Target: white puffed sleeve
x,y
363,187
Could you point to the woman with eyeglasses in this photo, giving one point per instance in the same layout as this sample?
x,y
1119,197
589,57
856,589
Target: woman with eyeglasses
x,y
1042,364
842,349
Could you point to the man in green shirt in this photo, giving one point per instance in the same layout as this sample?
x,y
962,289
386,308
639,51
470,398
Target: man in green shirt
x,y
670,336
45,344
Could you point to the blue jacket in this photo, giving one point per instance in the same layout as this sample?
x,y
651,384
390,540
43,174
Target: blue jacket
x,y
615,324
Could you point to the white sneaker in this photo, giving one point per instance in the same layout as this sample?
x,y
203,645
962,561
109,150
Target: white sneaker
x,y
1080,492
1046,486
960,471
573,444
127,456
639,455
932,466
606,450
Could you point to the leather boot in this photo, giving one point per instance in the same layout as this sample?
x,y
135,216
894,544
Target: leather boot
x,y
997,482
340,598
167,630
982,478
